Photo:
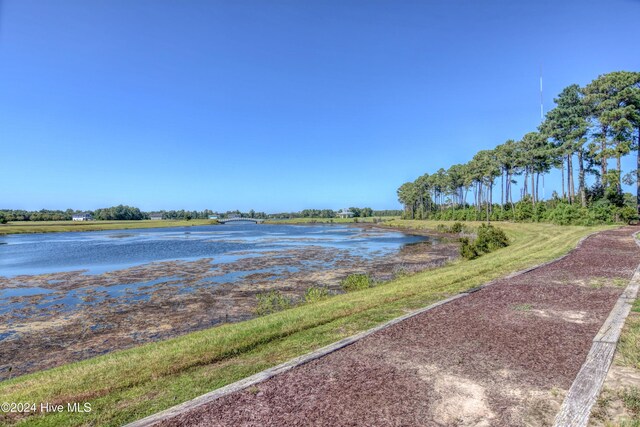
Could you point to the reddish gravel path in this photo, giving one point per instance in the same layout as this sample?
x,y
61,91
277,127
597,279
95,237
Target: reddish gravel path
x,y
503,356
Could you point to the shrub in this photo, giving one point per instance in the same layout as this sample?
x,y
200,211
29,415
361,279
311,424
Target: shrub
x,y
488,240
524,209
456,227
540,212
614,197
628,214
356,282
314,294
566,214
467,249
270,302
601,211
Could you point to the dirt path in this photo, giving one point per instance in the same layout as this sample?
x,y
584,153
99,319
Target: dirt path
x,y
503,356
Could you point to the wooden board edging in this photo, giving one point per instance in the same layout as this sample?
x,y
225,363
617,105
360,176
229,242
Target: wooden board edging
x,y
279,369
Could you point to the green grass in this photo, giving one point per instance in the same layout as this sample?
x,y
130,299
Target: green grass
x,y
631,399
19,227
628,349
128,385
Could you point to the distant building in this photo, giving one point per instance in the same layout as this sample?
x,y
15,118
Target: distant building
x,y
233,215
344,213
85,216
155,216
213,216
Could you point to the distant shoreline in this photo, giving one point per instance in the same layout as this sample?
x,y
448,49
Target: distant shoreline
x,y
22,227
384,223
29,227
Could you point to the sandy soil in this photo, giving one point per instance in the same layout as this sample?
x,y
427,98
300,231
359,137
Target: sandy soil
x,y
189,296
503,356
610,409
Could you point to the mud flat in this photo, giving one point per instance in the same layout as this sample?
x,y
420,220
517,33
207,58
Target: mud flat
x,y
47,320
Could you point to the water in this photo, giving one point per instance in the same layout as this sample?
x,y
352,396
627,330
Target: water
x,y
35,279
102,251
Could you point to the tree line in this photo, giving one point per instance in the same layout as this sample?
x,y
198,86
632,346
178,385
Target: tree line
x,y
41,215
130,213
589,131
120,212
365,212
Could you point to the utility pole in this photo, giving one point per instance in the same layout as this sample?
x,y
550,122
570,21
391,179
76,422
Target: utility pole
x,y
541,121
541,99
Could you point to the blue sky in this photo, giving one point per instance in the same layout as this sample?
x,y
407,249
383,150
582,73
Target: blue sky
x,y
278,105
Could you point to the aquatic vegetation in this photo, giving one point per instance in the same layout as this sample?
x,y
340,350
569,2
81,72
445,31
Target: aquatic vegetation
x,y
271,302
316,293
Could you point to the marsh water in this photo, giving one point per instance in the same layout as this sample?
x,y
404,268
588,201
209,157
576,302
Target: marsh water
x,y
88,256
94,292
101,251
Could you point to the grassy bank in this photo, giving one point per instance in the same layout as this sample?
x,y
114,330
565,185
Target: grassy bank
x,y
127,385
19,227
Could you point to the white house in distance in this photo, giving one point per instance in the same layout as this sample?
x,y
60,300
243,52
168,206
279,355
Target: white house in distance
x,y
344,213
155,216
85,216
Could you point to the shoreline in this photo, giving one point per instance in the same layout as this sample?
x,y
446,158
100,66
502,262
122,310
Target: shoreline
x,y
43,227
381,225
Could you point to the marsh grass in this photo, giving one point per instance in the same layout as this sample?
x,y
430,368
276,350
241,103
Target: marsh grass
x,y
127,385
356,282
21,227
315,294
271,302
